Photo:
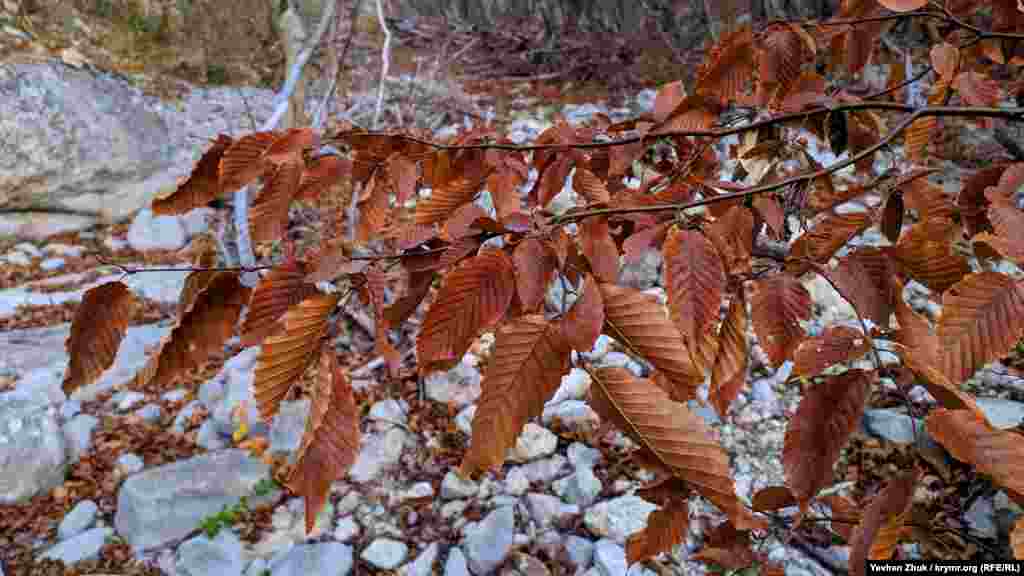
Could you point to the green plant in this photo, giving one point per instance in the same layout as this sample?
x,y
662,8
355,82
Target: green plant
x,y
227,517
265,486
216,74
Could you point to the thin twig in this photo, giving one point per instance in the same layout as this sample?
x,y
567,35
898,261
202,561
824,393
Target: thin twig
x,y
385,63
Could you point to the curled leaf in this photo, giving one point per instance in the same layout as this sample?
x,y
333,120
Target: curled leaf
x,y
100,323
582,324
201,186
777,306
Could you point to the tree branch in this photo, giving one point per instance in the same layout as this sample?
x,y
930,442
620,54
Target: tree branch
x,y
385,63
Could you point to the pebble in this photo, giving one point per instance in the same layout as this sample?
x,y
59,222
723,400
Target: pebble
x,y
385,553
78,435
51,264
455,487
149,413
346,530
223,555
77,520
616,519
581,487
534,442
129,464
579,550
490,541
456,564
423,565
83,546
610,558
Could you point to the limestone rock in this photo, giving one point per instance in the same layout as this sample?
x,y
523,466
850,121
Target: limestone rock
x,y
32,448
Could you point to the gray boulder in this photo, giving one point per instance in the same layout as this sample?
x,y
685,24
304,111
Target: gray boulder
x,y
32,448
164,503
223,555
84,546
489,543
325,559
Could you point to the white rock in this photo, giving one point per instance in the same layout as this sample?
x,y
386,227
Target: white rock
x,y
388,413
548,511
534,442
322,559
572,416
581,487
288,427
610,558
29,249
223,555
84,546
32,448
583,456
456,563
516,483
423,565
196,221
616,519
464,420
580,551
51,264
78,435
455,487
129,464
149,232
574,386
77,520
17,259
385,553
378,453
490,541
346,530
64,250
459,386
546,470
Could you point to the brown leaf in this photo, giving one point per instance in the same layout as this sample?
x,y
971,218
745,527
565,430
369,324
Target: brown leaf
x,y
972,202
780,58
695,282
321,174
665,528
977,89
460,222
600,249
269,213
639,322
879,530
202,330
777,306
728,66
444,200
403,173
969,438
643,240
473,298
535,267
837,344
100,324
1003,247
678,439
284,287
582,324
926,253
667,99
733,237
201,186
243,161
418,285
590,186
828,414
863,278
892,217
772,498
195,283
530,358
982,319
1017,539
330,442
1006,218
730,370
945,60
819,243
286,355
374,206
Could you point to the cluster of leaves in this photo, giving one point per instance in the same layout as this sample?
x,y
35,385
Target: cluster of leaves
x,y
716,237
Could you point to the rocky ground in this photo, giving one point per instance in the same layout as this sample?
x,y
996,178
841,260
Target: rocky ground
x,y
170,482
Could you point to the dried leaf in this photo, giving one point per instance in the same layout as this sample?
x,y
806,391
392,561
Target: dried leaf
x,y
243,161
777,306
730,370
444,200
926,253
473,298
728,66
675,437
403,173
535,267
881,527
531,356
201,186
582,324
1017,539
284,287
982,319
694,281
269,213
195,283
836,344
590,186
321,174
903,5
286,355
100,324
945,60
819,243
733,238
600,249
892,217
374,205
827,415
330,442
202,330
863,278
639,322
665,528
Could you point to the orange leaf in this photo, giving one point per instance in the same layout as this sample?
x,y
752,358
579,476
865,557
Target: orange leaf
x,y
600,249
903,5
203,329
195,283
269,213
946,60
284,287
667,99
777,306
977,89
728,66
694,281
373,207
321,174
882,525
819,243
837,344
535,267
202,185
780,59
582,324
772,498
863,278
730,370
530,358
403,173
665,528
733,237
676,438
982,319
444,200
926,253
243,161
639,322
473,298
1017,539
590,186
969,438
330,442
827,415
286,355
100,323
